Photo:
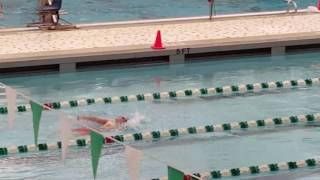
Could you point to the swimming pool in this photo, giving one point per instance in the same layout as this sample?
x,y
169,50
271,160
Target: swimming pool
x,y
21,12
193,153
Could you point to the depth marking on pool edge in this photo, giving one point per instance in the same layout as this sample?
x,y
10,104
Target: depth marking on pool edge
x,y
158,96
299,120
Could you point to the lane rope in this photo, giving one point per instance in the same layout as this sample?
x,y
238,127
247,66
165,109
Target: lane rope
x,y
255,170
299,120
158,96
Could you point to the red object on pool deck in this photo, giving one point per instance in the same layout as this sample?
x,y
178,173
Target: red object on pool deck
x,y
318,6
158,42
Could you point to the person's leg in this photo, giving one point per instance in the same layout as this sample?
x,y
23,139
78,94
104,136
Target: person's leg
x,y
1,10
288,6
54,18
295,6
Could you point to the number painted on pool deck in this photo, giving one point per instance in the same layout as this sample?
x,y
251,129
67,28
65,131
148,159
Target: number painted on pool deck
x,y
183,51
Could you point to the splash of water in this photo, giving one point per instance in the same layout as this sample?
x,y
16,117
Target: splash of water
x,y
136,119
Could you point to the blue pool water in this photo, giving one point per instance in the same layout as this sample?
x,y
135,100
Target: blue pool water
x,y
194,153
21,12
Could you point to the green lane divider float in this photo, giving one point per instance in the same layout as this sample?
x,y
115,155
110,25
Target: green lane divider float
x,y
225,91
299,120
255,170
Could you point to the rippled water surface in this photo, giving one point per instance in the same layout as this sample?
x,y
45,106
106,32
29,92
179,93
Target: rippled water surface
x,y
194,153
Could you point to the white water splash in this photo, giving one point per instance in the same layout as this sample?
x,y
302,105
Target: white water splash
x,y
136,119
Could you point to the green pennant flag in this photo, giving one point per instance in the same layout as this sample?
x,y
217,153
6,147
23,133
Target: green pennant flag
x,y
96,146
36,112
174,174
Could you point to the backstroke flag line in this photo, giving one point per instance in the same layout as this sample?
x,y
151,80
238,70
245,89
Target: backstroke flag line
x,y
133,161
174,174
96,146
36,112
65,134
11,96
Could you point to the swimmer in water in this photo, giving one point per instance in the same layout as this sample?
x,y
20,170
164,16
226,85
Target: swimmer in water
x,y
103,123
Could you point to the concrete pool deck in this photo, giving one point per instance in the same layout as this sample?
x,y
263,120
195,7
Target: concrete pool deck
x,y
181,37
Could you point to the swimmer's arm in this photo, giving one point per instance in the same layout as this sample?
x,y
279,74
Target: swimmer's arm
x,y
95,119
82,131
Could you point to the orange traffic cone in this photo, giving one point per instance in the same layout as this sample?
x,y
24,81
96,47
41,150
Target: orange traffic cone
x,y
158,42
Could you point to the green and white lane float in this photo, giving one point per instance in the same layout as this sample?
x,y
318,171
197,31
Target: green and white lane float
x,y
259,125
158,96
255,170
